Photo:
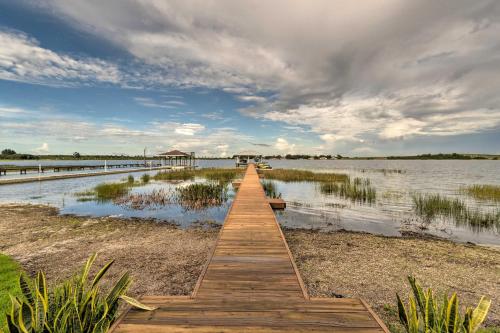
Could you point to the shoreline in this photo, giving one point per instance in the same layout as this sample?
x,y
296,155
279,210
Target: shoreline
x,y
164,259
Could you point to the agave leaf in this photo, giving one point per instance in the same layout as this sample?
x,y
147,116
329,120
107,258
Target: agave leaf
x,y
418,293
135,303
479,314
403,315
119,289
24,318
413,315
40,311
452,315
86,269
42,285
24,284
101,273
11,325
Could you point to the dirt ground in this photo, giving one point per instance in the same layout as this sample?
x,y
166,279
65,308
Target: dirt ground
x,y
375,268
161,258
166,260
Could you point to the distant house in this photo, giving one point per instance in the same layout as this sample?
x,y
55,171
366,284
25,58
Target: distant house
x,y
177,158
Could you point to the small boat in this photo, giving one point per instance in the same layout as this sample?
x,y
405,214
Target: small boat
x,y
263,166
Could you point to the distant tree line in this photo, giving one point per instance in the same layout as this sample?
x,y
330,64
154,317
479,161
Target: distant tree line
x,y
453,156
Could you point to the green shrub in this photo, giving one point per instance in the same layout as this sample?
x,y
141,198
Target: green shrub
x,y
130,179
424,313
76,305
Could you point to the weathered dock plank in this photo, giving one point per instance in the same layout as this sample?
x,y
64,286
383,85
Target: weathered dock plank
x,y
251,284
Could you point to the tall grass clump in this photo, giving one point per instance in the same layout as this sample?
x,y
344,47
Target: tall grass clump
x,y
219,174
130,179
175,175
110,191
270,189
202,195
292,175
145,178
426,313
430,206
358,190
483,192
78,304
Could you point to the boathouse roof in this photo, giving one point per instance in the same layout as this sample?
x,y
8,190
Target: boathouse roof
x,y
174,153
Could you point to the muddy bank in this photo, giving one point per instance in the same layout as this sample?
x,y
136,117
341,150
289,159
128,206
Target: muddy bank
x,y
375,268
161,258
166,260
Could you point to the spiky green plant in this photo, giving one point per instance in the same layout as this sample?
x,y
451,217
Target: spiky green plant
x,y
76,305
424,313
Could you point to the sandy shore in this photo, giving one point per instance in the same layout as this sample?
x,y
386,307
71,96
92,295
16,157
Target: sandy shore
x,y
164,259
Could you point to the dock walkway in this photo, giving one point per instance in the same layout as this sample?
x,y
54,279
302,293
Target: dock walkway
x,y
250,284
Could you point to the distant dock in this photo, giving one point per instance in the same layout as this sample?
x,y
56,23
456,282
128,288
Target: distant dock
x,y
40,177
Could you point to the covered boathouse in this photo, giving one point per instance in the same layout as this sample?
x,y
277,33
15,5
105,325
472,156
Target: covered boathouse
x,y
177,158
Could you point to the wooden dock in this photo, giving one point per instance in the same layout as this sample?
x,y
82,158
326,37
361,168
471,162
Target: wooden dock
x,y
250,284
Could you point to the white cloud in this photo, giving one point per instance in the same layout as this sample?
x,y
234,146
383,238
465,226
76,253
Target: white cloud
x,y
189,129
284,146
23,59
44,148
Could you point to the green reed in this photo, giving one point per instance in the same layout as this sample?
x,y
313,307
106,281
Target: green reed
x,y
483,192
145,178
219,174
430,206
110,191
293,175
357,189
270,189
202,195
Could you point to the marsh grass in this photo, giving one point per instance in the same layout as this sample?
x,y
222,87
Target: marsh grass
x,y
145,178
224,175
201,195
430,206
139,201
293,175
357,190
270,189
110,191
483,192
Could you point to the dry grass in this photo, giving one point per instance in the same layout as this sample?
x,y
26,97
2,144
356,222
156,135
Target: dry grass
x,y
161,258
375,268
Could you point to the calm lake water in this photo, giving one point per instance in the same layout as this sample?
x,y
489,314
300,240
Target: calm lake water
x,y
391,214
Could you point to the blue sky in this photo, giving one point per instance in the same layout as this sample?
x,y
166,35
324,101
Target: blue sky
x,y
221,77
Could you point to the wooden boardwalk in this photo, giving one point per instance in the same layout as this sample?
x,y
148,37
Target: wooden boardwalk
x,y
251,284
